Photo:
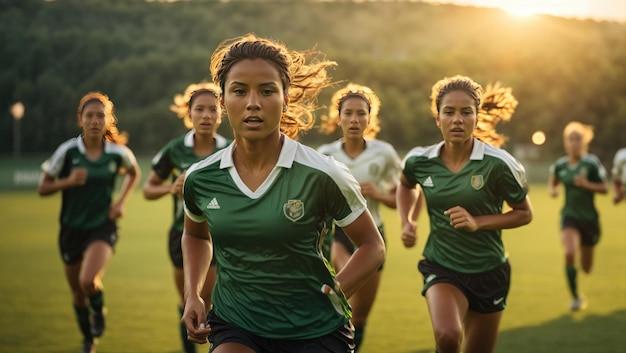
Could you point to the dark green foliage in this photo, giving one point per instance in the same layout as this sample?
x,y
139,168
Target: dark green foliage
x,y
142,53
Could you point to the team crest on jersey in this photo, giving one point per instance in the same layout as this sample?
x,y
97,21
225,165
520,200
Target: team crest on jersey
x,y
293,210
112,167
477,182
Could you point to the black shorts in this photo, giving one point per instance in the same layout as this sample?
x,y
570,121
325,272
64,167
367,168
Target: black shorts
x,y
339,341
341,238
73,242
485,292
176,250
589,230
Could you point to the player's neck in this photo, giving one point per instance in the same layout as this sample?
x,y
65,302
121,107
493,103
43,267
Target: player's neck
x,y
203,145
353,147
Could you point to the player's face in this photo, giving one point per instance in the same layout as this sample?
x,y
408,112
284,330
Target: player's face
x,y
205,114
574,144
457,117
254,99
92,120
354,117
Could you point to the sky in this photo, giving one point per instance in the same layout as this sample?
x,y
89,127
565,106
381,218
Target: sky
x,y
612,10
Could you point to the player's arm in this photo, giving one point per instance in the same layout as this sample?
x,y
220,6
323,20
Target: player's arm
x,y
48,184
600,187
367,258
155,187
197,249
131,179
409,201
521,213
618,186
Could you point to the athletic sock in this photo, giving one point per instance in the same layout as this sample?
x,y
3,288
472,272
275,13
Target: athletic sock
x,y
571,280
359,333
96,301
82,316
189,346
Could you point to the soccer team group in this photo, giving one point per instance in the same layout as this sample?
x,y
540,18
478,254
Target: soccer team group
x,y
282,245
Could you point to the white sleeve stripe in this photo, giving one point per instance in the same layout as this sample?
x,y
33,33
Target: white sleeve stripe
x,y
516,168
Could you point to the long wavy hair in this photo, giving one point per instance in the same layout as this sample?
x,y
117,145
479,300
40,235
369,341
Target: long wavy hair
x,y
183,102
303,75
330,122
110,120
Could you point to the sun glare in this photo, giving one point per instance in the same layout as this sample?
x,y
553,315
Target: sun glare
x,y
518,10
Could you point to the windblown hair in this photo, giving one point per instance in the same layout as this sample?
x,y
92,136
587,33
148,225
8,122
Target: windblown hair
x,y
331,121
301,81
494,104
586,131
110,120
183,102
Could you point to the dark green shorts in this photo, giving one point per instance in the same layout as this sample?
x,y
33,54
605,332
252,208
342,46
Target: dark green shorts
x,y
73,242
589,230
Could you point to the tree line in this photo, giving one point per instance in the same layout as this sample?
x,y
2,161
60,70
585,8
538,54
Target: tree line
x,y
142,53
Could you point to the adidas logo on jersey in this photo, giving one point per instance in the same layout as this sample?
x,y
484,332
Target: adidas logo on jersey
x,y
213,205
428,182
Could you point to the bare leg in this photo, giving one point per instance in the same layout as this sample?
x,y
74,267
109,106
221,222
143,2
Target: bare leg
x,y
447,306
586,258
481,332
96,257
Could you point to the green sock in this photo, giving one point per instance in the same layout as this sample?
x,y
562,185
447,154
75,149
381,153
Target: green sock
x,y
96,301
359,333
571,280
82,316
189,346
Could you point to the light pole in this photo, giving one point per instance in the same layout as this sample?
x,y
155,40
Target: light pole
x,y
17,110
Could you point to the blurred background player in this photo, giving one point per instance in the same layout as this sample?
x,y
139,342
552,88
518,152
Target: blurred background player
x,y
619,175
583,175
200,111
375,165
84,169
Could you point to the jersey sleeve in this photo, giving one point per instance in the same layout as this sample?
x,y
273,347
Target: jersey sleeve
x,y
162,164
514,186
53,165
344,200
191,208
128,158
392,170
408,166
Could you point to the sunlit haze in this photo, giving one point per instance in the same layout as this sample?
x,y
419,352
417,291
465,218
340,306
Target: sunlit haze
x,y
611,10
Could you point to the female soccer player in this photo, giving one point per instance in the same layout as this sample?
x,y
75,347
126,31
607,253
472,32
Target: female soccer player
x,y
84,169
375,165
619,175
200,110
582,175
261,204
465,182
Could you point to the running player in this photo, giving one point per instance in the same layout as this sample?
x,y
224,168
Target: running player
x,y
375,165
262,204
199,108
84,169
619,175
582,175
465,182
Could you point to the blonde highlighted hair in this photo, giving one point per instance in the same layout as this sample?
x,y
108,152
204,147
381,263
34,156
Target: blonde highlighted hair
x,y
331,121
586,131
110,120
303,75
493,104
183,102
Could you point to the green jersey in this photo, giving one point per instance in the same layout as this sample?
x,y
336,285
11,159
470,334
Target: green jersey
x,y
378,164
579,203
268,242
489,177
173,159
87,206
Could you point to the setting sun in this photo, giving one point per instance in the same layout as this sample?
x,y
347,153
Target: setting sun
x,y
519,9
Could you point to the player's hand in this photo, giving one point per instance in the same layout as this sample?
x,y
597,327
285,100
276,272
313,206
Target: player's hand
x,y
554,192
78,176
409,235
461,219
194,319
116,211
580,181
177,185
619,196
369,189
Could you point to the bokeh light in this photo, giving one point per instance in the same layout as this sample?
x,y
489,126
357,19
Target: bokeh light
x,y
538,138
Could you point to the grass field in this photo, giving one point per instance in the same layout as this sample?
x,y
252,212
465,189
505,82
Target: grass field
x,y
36,313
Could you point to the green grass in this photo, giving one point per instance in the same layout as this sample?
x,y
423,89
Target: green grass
x,y
36,313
